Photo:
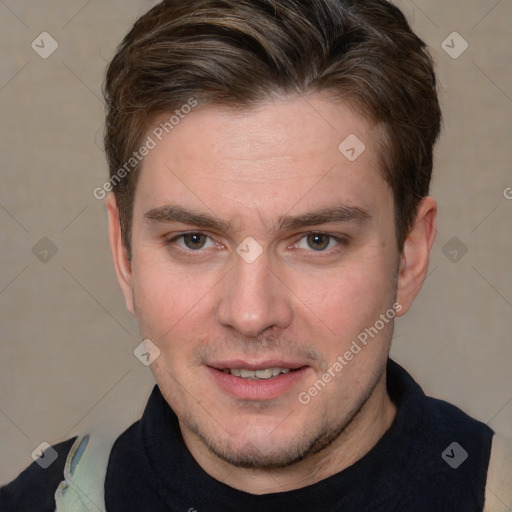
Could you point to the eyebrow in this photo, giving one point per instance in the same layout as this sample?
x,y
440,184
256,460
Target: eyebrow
x,y
178,214
334,214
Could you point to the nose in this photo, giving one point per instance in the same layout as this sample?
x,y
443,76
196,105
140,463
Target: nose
x,y
254,299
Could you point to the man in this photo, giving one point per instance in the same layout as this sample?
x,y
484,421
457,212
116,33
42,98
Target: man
x,y
270,162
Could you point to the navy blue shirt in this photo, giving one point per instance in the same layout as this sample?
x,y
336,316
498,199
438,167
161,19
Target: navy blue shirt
x,y
411,468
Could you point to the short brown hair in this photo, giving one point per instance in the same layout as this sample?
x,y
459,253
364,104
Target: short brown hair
x,y
238,53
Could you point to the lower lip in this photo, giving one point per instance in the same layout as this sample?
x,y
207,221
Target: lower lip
x,y
258,389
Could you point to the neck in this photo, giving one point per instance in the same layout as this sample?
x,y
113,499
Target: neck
x,y
357,439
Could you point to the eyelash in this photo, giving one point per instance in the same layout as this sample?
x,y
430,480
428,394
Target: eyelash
x,y
187,252
340,241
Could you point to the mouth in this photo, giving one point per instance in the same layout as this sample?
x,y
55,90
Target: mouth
x,y
264,374
263,380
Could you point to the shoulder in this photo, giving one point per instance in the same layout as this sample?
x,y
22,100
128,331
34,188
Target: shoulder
x,y
498,496
36,484
445,451
426,415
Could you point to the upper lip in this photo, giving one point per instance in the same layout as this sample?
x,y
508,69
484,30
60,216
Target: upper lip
x,y
255,365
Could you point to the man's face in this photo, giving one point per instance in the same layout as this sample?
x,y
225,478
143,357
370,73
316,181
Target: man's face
x,y
258,246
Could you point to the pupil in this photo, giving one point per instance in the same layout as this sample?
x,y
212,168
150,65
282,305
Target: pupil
x,y
318,242
194,241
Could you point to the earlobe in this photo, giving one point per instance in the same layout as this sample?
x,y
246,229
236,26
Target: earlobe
x,y
121,262
416,254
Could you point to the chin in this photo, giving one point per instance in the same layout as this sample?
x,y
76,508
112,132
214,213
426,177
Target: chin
x,y
270,451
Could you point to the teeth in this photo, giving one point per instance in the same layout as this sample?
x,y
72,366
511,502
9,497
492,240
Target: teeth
x,y
263,374
257,374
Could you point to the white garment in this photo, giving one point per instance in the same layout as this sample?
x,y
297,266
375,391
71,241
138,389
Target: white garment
x,y
83,487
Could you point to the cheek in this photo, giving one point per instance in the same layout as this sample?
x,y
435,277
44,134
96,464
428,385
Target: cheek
x,y
342,307
348,296
166,299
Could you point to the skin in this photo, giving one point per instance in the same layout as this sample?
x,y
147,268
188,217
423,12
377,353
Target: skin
x,y
206,304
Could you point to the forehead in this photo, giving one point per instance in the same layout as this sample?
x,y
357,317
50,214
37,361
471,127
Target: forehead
x,y
289,154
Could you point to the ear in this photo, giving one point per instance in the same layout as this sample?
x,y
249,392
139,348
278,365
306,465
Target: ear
x,y
121,262
416,254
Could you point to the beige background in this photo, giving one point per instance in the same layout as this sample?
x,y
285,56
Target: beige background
x,y
66,340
